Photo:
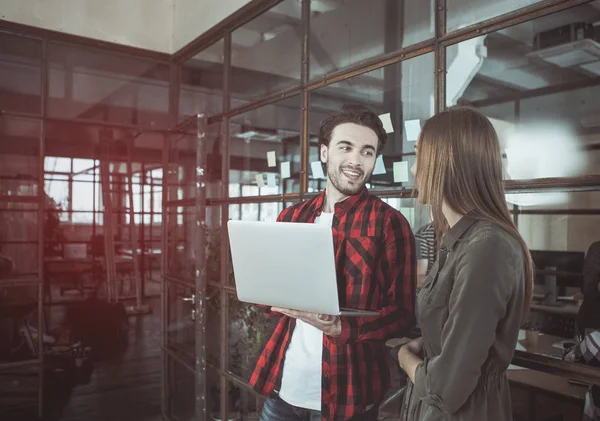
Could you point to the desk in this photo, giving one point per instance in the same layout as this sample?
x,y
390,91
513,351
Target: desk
x,y
537,382
548,384
568,309
545,345
59,270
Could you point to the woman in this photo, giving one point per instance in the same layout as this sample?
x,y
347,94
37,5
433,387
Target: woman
x,y
471,305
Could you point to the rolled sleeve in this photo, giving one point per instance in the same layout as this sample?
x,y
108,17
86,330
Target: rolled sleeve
x,y
484,279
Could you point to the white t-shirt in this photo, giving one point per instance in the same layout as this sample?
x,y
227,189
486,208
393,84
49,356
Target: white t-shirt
x,y
301,380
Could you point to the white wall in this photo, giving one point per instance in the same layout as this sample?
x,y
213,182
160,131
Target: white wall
x,y
192,18
139,23
159,25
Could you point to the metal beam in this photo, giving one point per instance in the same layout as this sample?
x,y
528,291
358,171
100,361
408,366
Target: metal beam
x,y
248,12
515,17
535,93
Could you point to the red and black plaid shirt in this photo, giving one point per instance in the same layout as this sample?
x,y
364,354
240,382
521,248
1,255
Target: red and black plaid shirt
x,y
376,270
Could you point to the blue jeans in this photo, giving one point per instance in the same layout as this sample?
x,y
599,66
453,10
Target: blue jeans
x,y
276,409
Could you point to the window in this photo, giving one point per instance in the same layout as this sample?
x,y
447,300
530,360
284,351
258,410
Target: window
x,y
540,93
265,149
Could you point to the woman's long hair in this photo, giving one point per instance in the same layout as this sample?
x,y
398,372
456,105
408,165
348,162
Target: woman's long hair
x,y
459,162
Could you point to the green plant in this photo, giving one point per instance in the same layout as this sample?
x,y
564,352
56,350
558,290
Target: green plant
x,y
247,322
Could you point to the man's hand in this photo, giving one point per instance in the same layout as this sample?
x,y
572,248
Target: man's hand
x,y
329,325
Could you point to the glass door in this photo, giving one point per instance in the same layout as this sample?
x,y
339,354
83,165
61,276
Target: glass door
x,y
187,227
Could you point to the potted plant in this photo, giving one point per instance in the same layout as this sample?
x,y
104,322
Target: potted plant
x,y
246,335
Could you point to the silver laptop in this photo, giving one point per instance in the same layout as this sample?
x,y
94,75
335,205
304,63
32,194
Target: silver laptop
x,y
288,265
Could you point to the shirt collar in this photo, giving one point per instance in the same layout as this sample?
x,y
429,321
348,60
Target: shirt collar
x,y
458,230
343,206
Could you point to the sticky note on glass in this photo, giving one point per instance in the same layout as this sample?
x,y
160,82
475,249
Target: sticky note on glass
x,y
379,166
260,180
401,172
317,169
386,120
271,180
285,169
412,128
271,159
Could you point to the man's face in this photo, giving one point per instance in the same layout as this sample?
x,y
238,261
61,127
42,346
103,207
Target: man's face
x,y
350,157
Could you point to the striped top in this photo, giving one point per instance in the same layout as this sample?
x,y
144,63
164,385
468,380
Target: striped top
x,y
427,244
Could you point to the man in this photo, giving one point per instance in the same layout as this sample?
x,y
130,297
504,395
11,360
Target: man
x,y
588,318
318,366
427,250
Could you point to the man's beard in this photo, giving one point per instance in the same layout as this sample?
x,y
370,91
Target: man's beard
x,y
338,180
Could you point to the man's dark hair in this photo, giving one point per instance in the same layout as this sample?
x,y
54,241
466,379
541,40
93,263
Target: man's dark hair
x,y
357,114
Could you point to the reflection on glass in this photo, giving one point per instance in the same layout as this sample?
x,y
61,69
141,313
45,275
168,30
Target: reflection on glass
x,y
265,150
248,326
340,35
214,235
57,191
266,53
213,327
181,252
266,212
214,160
181,400
57,164
83,196
19,245
250,404
83,165
559,233
416,215
23,384
522,78
181,246
461,13
20,74
213,388
181,179
19,334
402,94
92,85
83,217
202,83
569,222
19,160
181,326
